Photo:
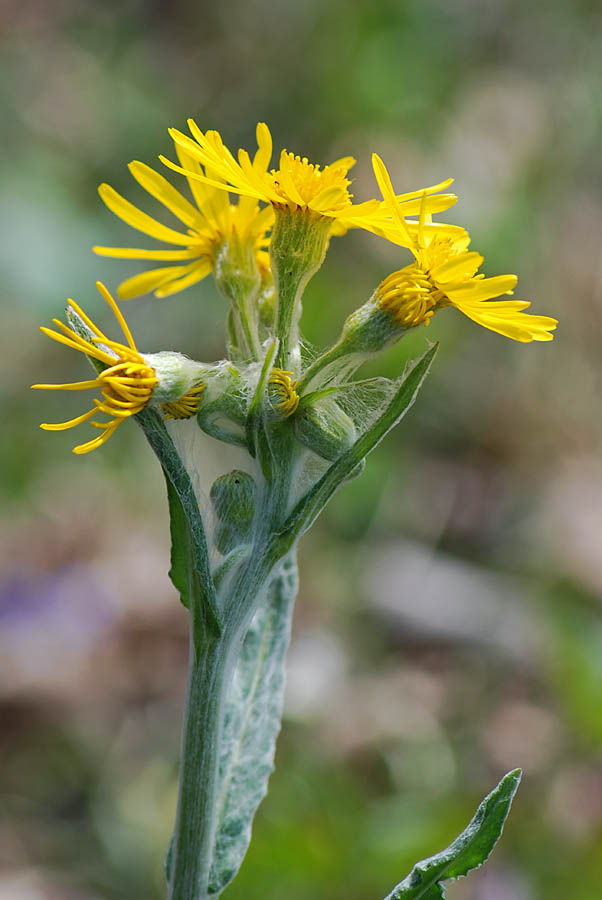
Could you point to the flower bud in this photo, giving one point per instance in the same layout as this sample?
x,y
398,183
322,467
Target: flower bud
x,y
404,299
176,373
282,397
225,403
233,500
325,428
369,330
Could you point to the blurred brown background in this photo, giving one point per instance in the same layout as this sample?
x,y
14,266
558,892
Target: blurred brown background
x,y
448,625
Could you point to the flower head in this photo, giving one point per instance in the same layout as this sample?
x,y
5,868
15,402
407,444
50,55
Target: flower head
x,y
126,384
210,223
187,406
283,397
445,273
297,183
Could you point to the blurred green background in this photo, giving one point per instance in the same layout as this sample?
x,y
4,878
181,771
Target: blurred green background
x,y
448,626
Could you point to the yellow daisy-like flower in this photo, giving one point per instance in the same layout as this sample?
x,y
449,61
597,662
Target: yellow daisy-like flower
x,y
296,184
126,385
210,223
445,274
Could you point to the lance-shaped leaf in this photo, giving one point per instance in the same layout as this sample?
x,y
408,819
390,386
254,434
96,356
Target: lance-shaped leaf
x,y
316,499
252,723
467,852
190,570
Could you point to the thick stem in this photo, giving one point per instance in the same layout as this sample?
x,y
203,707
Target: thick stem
x,y
190,855
211,669
289,303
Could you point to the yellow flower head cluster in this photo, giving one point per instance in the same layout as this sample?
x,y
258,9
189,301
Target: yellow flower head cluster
x,y
445,273
126,385
210,222
296,184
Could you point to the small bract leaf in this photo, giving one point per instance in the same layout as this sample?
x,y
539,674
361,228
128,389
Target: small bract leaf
x,y
469,850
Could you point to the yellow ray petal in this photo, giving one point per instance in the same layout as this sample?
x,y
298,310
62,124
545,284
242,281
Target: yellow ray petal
x,y
165,193
464,265
117,313
517,326
200,271
145,282
386,188
243,190
137,219
71,386
134,253
96,442
63,426
482,289
327,199
92,351
262,158
433,189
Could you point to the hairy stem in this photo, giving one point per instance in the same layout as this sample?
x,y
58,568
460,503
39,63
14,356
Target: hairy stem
x,y
212,664
208,680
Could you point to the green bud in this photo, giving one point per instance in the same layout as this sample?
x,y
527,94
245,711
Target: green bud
x,y
233,500
325,428
235,269
176,373
369,330
224,410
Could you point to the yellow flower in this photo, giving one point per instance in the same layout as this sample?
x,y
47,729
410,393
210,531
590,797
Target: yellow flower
x,y
186,406
281,391
296,184
210,224
445,274
126,385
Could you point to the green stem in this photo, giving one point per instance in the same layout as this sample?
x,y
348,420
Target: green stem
x,y
238,279
211,668
297,248
330,356
209,677
246,325
287,316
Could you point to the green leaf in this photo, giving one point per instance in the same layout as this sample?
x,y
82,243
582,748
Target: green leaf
x,y
467,852
316,499
190,568
180,544
252,722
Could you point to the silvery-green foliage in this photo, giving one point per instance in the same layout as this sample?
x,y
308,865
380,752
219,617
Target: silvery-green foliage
x,y
252,722
469,850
